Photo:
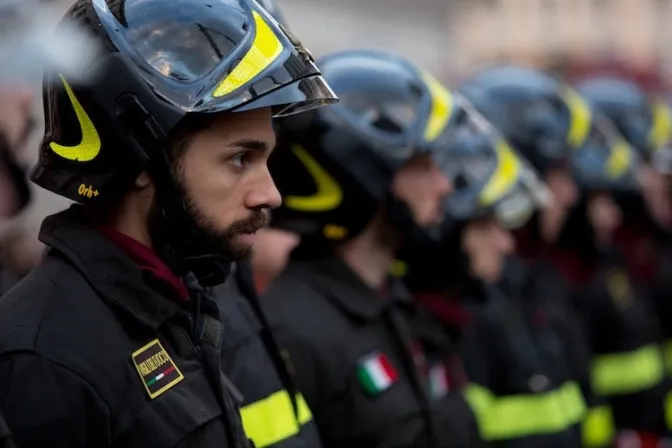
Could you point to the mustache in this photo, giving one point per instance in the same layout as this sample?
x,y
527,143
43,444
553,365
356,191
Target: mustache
x,y
252,224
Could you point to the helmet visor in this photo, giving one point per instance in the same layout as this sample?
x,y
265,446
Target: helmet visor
x,y
488,175
215,55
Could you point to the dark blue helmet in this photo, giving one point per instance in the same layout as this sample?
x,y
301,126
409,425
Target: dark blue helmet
x,y
645,121
542,117
335,168
605,161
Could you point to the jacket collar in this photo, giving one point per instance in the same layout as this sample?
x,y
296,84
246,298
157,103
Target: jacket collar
x,y
107,268
342,286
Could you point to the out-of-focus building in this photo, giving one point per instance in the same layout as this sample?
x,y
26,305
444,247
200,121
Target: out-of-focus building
x,y
541,32
414,28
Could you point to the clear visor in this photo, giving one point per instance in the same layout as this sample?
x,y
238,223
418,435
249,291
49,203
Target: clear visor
x,y
216,55
488,175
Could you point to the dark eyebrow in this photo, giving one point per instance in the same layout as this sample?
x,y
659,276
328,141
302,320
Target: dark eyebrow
x,y
251,144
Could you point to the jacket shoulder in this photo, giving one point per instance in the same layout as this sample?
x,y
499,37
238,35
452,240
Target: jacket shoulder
x,y
303,319
55,314
293,300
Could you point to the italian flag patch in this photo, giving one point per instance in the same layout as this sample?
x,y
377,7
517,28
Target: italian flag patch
x,y
375,373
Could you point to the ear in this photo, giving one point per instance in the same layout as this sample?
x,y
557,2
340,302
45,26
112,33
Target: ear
x,y
143,180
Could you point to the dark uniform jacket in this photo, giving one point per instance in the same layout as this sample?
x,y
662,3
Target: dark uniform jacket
x,y
624,334
355,359
520,362
92,355
274,413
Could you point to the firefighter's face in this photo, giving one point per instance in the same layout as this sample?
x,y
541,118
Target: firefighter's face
x,y
487,244
604,215
225,181
565,194
656,193
423,187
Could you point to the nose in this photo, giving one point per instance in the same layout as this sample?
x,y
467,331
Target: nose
x,y
265,194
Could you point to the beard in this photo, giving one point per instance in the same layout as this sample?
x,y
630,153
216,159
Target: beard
x,y
196,235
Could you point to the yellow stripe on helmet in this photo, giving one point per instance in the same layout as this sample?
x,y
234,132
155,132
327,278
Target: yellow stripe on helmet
x,y
579,115
442,107
661,127
504,177
620,159
265,49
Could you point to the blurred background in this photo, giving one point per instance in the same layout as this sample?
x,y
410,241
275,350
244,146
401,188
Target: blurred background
x,y
453,38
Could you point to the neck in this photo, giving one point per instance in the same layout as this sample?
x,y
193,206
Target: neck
x,y
130,223
368,256
549,225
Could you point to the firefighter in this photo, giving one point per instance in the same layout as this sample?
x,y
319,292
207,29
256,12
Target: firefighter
x,y
457,280
367,180
15,127
164,148
645,121
636,252
545,120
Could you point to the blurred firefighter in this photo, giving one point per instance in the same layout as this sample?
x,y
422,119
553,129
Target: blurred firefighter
x,y
456,280
367,180
163,143
637,229
16,124
18,251
545,353
14,117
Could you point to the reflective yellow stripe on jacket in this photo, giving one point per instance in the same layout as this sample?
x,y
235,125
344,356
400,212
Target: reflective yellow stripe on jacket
x,y
668,398
628,372
597,430
272,419
525,415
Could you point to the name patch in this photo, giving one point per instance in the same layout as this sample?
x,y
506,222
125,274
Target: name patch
x,y
157,370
